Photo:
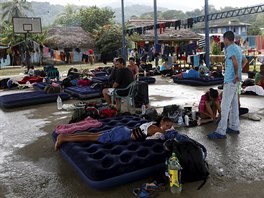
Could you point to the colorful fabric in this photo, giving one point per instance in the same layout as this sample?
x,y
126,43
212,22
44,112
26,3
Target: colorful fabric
x,y
78,126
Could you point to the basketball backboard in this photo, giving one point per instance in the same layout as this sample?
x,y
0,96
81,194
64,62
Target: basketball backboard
x,y
27,25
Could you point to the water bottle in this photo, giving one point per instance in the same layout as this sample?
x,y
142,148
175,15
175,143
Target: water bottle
x,y
143,109
59,103
145,73
174,169
180,120
193,114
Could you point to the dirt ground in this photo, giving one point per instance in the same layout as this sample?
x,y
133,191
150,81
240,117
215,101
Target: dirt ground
x,y
29,166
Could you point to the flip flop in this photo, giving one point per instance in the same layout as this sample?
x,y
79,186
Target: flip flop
x,y
142,193
154,186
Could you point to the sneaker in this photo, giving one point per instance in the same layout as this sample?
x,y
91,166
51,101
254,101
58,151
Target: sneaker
x,y
231,131
186,120
216,135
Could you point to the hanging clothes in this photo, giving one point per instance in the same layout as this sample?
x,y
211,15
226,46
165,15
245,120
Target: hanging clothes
x,y
46,52
196,60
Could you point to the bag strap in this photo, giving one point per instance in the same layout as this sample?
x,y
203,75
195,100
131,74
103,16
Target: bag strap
x,y
205,180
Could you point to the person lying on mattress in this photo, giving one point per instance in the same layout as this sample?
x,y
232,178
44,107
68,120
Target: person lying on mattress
x,y
149,130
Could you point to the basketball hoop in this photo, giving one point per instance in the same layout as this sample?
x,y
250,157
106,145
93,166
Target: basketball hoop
x,y
25,25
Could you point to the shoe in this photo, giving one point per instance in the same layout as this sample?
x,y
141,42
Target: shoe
x,y
254,117
231,131
216,135
186,120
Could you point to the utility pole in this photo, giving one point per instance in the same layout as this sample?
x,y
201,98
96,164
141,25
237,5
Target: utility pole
x,y
123,32
207,39
155,31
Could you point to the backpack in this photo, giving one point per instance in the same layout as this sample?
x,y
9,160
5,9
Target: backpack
x,y
151,114
191,155
66,82
172,111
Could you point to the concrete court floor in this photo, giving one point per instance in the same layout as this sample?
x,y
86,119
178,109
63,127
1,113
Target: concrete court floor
x,y
29,166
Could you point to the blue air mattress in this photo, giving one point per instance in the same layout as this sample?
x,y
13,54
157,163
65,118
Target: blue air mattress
x,y
100,79
85,92
40,85
103,166
147,79
199,81
99,74
29,98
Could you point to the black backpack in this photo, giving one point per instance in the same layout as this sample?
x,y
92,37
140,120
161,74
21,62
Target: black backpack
x,y
191,155
172,111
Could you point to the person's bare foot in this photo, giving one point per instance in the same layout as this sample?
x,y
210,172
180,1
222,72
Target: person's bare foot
x,y
58,141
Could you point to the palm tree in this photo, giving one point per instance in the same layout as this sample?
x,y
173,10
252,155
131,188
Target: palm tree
x,y
68,17
15,8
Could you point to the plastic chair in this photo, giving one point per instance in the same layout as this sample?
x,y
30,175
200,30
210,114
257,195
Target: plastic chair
x,y
129,99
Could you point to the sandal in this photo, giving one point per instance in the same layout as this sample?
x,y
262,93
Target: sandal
x,y
154,186
142,193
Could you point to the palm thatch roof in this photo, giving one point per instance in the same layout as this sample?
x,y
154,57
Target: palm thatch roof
x,y
170,34
69,37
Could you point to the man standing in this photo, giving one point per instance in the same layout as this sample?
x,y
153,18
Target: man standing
x,y
123,78
229,122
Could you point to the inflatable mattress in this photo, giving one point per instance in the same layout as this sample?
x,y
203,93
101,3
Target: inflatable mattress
x,y
85,92
99,74
199,81
40,85
103,166
29,98
100,79
147,79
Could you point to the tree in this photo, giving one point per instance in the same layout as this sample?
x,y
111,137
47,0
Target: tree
x,y
150,15
254,30
15,8
216,49
108,39
69,18
92,18
173,14
9,37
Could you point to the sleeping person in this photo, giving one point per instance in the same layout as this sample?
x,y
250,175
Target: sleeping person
x,y
149,130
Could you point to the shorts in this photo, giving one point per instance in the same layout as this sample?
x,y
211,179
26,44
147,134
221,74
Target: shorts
x,y
117,134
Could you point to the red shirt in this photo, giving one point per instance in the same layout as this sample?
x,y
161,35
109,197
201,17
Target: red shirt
x,y
91,51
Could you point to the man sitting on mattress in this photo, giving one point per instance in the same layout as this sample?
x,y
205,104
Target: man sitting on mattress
x,y
123,78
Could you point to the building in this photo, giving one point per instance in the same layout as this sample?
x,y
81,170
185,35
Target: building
x,y
221,27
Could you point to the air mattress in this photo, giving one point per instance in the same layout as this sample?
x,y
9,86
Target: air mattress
x,y
29,98
198,81
103,166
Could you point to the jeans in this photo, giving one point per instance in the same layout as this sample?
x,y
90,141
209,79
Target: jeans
x,y
229,109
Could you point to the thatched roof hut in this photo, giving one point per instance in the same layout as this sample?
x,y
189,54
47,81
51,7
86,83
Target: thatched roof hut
x,y
69,37
170,34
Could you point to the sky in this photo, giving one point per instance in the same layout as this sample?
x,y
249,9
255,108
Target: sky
x,y
184,5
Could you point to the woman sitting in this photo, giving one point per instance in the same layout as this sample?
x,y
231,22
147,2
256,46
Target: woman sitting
x,y
133,67
209,106
165,69
120,133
